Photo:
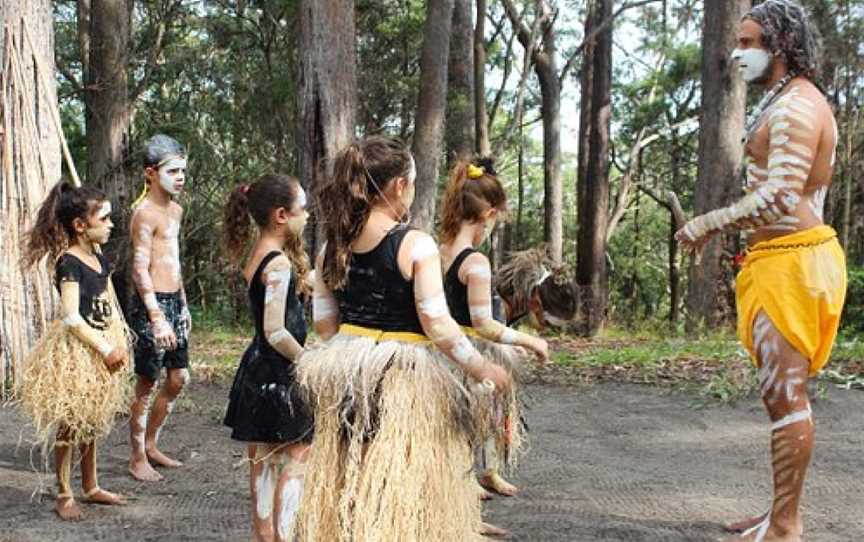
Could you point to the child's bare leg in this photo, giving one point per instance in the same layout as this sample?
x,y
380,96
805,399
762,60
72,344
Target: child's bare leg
x,y
66,507
139,466
289,491
491,478
162,406
783,383
90,482
262,486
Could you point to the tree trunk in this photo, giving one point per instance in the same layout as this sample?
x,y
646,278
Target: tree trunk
x,y
553,196
30,158
106,39
432,102
328,86
460,89
718,180
481,123
591,253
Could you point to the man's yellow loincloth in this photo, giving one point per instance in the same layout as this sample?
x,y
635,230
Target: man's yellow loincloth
x,y
799,280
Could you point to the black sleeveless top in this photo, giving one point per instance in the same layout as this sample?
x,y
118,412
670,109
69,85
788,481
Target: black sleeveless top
x,y
92,305
295,323
457,293
376,294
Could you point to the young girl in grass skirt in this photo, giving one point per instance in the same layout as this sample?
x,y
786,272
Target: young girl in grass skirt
x,y
394,423
265,409
74,378
473,201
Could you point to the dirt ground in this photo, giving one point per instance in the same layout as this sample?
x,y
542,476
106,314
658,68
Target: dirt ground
x,y
607,462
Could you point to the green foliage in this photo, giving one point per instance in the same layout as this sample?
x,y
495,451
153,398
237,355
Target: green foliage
x,y
853,314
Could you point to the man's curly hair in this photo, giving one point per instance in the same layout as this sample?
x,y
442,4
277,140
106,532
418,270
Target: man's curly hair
x,y
788,31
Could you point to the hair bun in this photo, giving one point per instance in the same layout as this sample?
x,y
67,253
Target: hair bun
x,y
488,164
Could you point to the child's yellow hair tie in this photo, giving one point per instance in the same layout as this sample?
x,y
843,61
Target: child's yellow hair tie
x,y
475,172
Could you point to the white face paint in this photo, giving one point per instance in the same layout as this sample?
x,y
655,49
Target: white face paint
x,y
753,63
99,224
172,175
488,228
298,219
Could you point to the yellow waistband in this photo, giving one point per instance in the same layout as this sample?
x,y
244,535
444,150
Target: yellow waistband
x,y
380,335
470,331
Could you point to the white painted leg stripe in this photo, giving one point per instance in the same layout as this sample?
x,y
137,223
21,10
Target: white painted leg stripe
x,y
795,417
760,529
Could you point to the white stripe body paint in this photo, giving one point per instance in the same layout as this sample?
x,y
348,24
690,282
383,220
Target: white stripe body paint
x,y
277,283
760,529
291,494
278,336
463,350
795,417
264,490
508,336
73,320
423,248
479,271
481,312
435,306
323,307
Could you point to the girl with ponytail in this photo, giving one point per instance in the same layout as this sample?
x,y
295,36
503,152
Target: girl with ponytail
x,y
394,421
264,408
473,202
74,378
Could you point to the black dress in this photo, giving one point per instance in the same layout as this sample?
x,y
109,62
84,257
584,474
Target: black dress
x,y
457,293
265,404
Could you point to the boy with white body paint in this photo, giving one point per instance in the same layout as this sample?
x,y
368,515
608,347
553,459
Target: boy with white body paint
x,y
158,313
393,422
792,284
472,203
265,409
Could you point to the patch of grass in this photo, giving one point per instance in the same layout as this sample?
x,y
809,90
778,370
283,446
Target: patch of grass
x,y
712,365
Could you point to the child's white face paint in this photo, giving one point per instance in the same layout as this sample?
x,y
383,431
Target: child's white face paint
x,y
172,175
292,492
99,224
264,490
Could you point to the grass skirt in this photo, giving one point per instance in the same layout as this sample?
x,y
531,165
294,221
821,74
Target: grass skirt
x,y
505,422
391,458
67,384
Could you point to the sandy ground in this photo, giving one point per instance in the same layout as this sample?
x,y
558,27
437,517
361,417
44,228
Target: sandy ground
x,y
607,462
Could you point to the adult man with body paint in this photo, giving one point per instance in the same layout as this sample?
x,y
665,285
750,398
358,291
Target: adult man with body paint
x,y
159,313
792,283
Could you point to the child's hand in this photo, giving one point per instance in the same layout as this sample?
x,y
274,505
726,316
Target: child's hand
x,y
541,350
163,334
116,359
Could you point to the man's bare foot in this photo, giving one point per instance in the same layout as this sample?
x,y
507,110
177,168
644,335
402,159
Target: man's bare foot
x,y
741,526
68,509
98,495
141,470
161,459
493,482
757,533
487,529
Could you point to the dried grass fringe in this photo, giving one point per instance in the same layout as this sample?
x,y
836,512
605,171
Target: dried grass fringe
x,y
391,458
511,440
67,384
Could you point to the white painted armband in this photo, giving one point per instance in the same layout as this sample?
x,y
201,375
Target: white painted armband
x,y
464,352
278,336
479,271
150,302
423,248
508,336
323,307
73,320
434,307
481,312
